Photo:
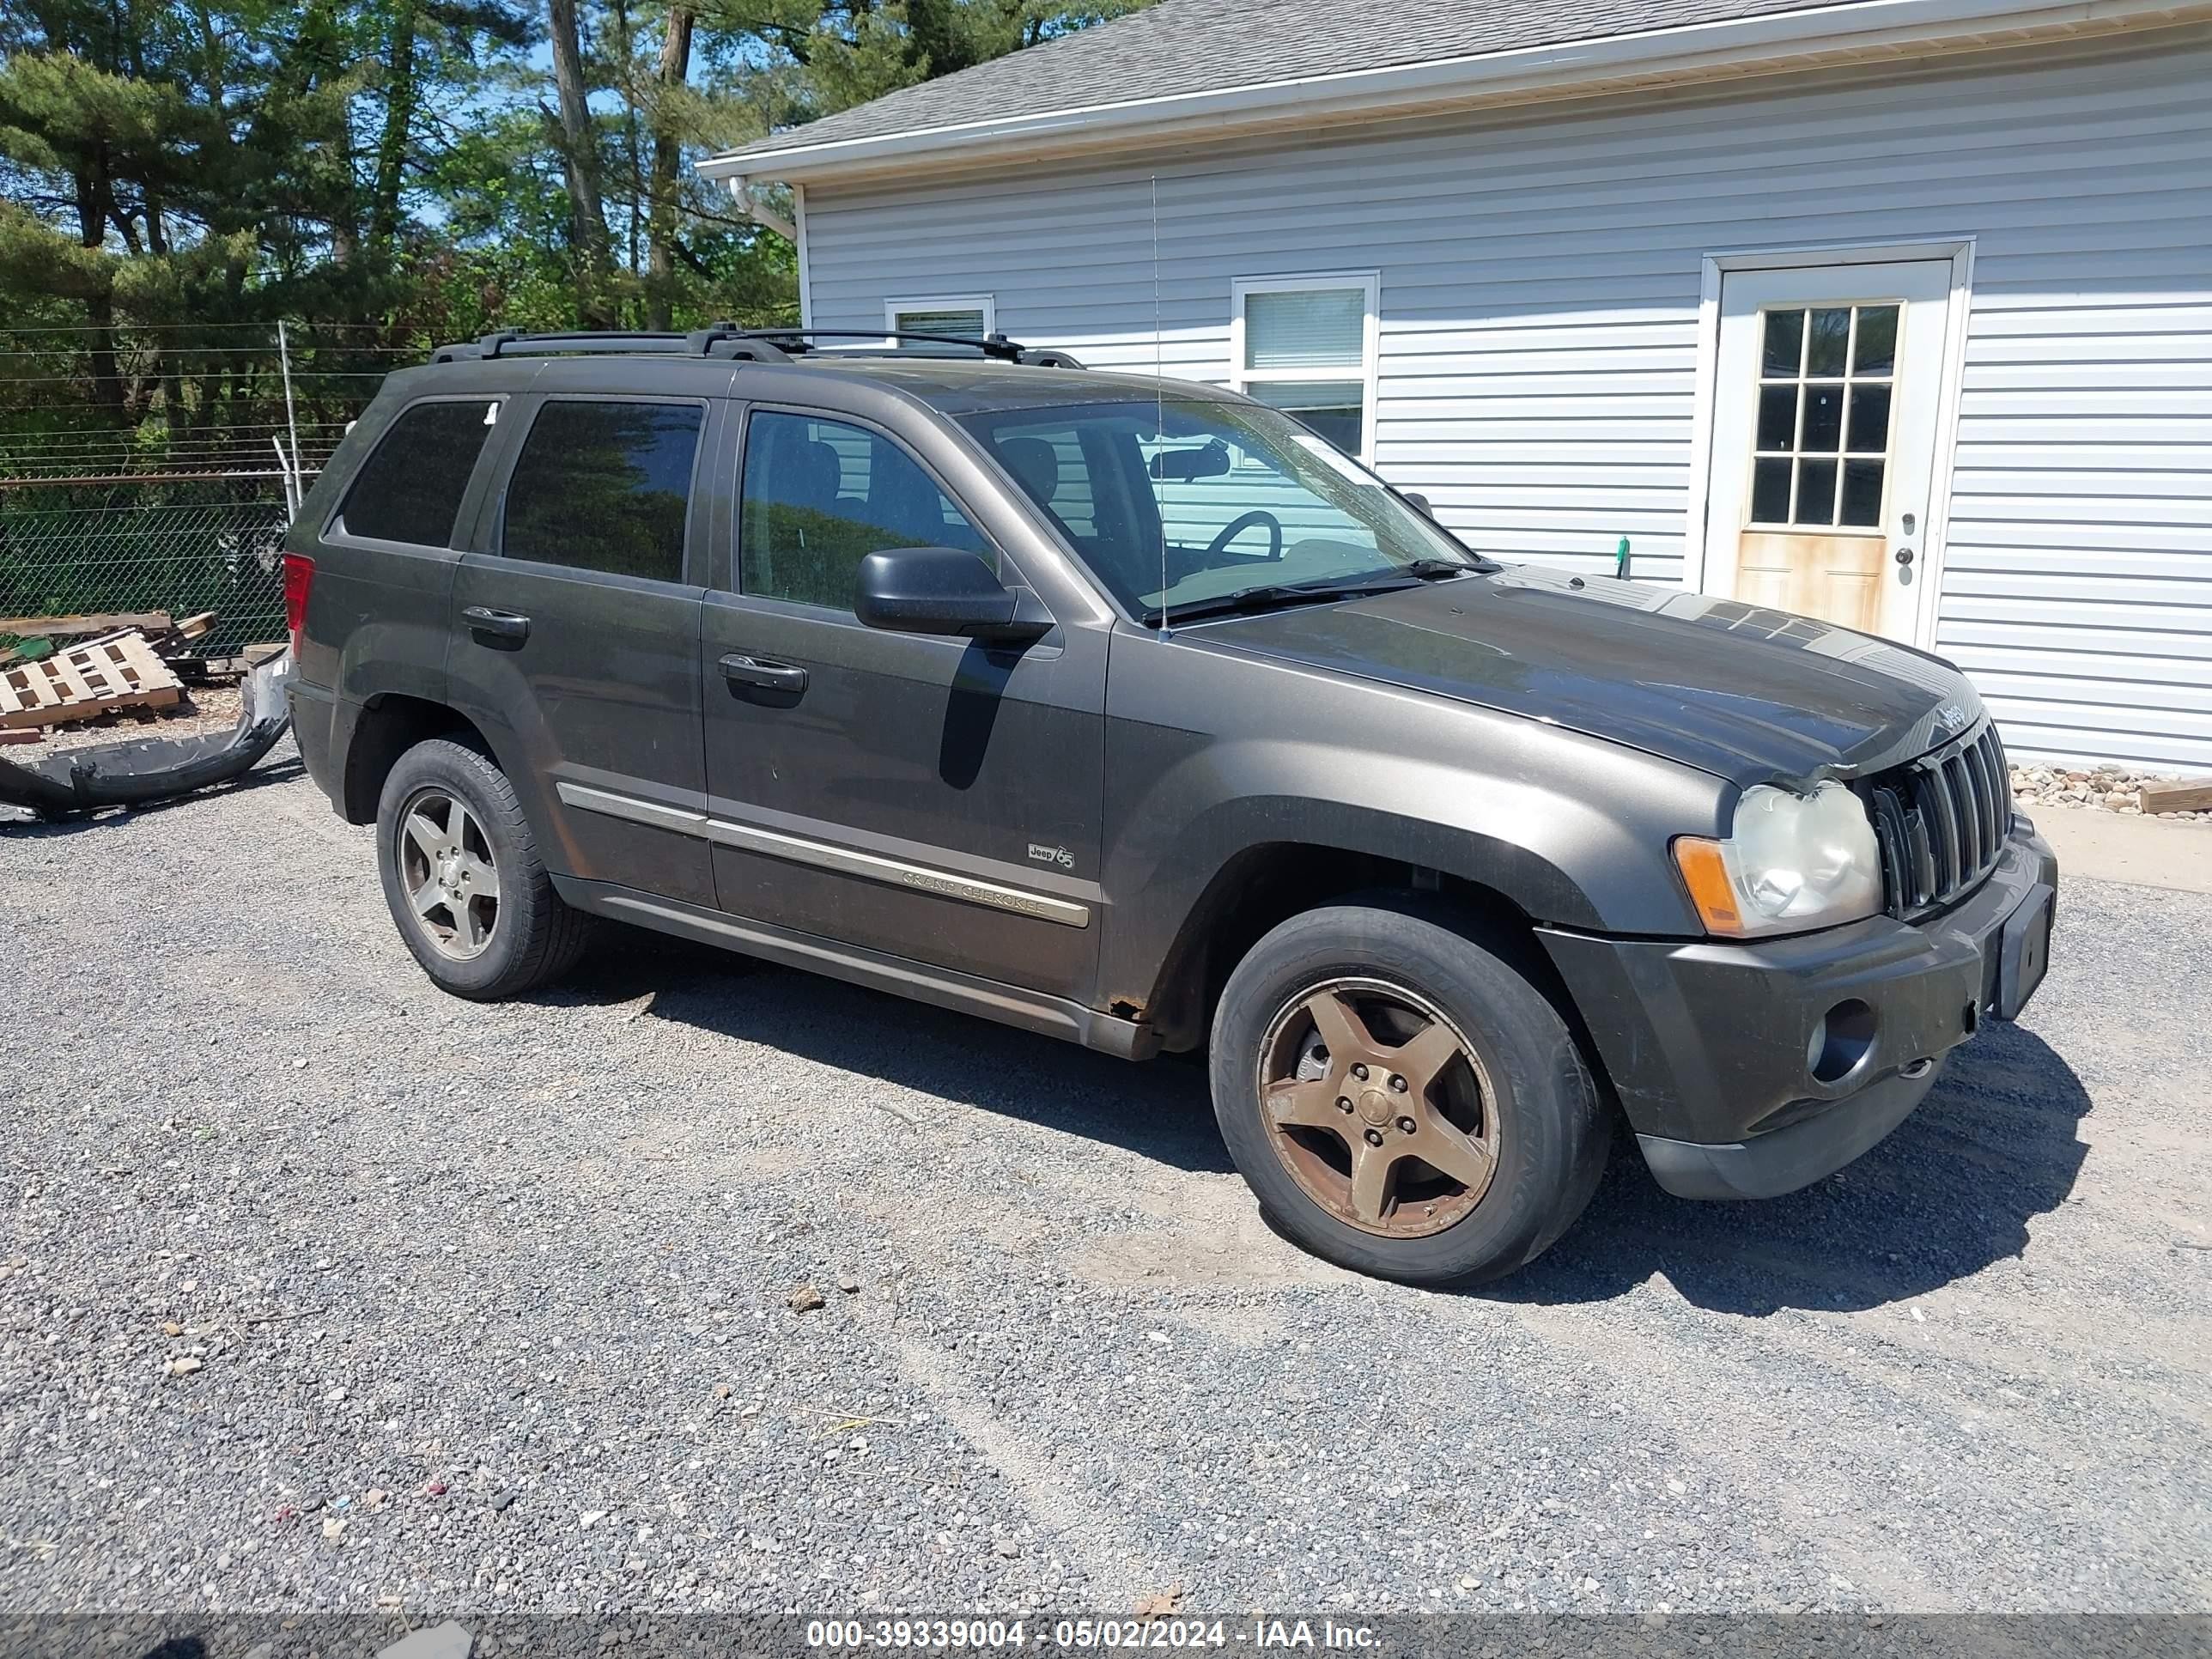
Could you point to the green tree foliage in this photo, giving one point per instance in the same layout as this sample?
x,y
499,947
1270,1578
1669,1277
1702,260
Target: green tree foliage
x,y
173,174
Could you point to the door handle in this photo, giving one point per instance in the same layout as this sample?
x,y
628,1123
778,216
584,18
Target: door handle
x,y
500,624
783,677
1904,555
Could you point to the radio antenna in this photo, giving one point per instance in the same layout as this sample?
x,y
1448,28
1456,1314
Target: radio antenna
x,y
1159,401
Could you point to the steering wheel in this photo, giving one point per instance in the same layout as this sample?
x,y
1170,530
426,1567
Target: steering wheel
x,y
1238,526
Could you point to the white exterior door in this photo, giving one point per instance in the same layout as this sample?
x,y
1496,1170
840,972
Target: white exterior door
x,y
1824,440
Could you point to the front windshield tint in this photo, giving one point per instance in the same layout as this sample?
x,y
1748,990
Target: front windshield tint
x,y
1187,502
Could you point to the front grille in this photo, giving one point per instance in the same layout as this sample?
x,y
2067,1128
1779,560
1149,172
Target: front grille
x,y
1941,821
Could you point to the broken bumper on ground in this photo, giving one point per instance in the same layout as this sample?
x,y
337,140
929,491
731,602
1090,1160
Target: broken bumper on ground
x,y
141,769
1724,1055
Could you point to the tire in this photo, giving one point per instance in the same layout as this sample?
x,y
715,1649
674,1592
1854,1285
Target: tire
x,y
1511,1112
479,945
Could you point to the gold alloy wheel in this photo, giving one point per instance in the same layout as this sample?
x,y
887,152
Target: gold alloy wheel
x,y
1378,1107
446,865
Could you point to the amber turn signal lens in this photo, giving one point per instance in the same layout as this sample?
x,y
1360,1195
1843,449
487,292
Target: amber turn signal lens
x,y
1704,873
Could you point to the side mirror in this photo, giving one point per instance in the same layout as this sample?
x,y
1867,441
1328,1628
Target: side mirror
x,y
1418,502
939,590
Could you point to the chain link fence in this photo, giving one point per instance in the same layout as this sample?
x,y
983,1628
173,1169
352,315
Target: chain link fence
x,y
154,468
182,547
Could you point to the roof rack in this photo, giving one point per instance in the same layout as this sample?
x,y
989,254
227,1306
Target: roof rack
x,y
725,339
732,341
996,347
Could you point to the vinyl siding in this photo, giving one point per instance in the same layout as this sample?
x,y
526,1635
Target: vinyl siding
x,y
1539,323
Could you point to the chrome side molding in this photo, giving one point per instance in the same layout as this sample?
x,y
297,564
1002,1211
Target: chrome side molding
x,y
826,855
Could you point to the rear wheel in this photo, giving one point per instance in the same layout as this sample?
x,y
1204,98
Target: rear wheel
x,y
1401,1099
463,878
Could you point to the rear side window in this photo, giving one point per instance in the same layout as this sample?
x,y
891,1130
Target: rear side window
x,y
820,495
410,489
604,486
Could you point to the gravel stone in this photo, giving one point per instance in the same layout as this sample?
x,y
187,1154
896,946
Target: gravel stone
x,y
511,1249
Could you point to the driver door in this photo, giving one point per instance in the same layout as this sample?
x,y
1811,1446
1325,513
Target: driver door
x,y
922,797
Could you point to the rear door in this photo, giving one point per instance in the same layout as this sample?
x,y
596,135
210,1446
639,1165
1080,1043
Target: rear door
x,y
929,798
576,629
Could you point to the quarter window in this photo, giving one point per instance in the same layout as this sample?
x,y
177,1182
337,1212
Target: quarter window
x,y
1307,345
604,486
410,489
1826,378
818,497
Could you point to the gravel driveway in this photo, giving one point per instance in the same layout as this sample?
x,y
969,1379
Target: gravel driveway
x,y
325,1290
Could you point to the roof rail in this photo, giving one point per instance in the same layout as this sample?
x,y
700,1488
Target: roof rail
x,y
997,347
725,340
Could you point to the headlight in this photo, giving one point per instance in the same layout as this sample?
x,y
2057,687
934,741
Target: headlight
x,y
1792,862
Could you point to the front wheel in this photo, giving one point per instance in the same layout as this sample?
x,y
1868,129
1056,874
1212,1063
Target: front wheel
x,y
1401,1099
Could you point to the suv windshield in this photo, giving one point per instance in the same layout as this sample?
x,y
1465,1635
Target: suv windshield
x,y
1183,504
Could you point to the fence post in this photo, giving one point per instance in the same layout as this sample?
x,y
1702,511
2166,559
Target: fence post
x,y
291,418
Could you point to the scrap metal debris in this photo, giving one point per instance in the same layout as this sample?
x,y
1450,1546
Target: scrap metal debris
x,y
141,769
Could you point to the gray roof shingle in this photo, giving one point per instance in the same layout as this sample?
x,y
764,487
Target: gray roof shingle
x,y
1183,47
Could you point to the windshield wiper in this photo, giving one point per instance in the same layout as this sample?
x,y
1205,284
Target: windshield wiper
x,y
1474,564
1272,596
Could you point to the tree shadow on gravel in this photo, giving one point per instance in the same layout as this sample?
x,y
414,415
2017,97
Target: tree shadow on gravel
x,y
1159,1110
1951,1192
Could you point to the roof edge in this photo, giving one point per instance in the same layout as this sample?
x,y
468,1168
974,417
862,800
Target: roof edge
x,y
1853,31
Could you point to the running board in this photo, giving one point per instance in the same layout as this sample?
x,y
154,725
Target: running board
x,y
1008,1004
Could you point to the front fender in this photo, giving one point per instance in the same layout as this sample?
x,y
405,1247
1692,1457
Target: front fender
x,y
1572,830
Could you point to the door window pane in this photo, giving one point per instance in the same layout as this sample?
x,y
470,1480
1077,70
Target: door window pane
x,y
1861,493
1816,493
1770,490
1310,328
410,488
819,496
604,486
1811,409
1778,416
1870,418
1875,349
1824,420
1824,350
1785,349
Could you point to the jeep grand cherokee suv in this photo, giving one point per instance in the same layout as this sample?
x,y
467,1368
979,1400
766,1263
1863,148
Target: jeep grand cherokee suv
x,y
1132,712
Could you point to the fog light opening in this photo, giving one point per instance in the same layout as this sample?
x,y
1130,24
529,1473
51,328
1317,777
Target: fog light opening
x,y
1840,1041
1970,1019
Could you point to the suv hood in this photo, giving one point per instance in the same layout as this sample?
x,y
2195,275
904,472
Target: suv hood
x,y
1750,695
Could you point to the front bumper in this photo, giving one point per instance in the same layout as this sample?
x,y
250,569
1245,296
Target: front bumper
x,y
1707,1042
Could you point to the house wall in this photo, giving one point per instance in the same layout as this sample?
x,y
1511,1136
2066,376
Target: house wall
x,y
1540,292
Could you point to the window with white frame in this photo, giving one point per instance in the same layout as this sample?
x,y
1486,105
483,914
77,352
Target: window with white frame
x,y
1307,345
970,316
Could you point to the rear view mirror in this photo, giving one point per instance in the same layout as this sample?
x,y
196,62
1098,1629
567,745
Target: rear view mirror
x,y
939,590
1209,460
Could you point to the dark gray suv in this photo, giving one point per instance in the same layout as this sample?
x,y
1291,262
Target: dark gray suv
x,y
1132,712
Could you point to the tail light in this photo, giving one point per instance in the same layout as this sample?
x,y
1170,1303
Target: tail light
x,y
299,577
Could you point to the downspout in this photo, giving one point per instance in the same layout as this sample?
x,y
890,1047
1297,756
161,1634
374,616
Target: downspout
x,y
741,193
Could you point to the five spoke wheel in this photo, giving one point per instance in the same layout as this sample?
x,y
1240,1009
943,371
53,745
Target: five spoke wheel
x,y
446,867
1378,1107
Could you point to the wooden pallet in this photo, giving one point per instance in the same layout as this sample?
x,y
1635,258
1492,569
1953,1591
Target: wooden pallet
x,y
121,672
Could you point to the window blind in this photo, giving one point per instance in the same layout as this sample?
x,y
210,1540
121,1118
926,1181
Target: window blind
x,y
1306,328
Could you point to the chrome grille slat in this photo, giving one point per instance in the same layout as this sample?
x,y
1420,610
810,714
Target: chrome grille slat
x,y
1940,822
